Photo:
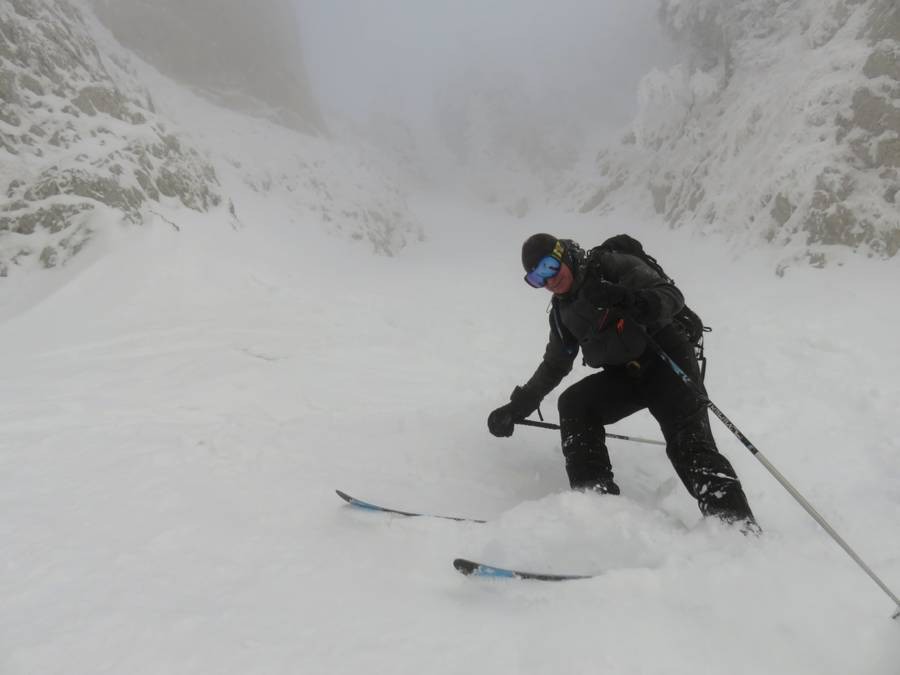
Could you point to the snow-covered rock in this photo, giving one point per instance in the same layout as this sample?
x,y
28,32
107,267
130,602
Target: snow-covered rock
x,y
81,138
91,136
782,123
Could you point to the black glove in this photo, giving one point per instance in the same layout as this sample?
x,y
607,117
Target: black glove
x,y
522,403
606,294
642,306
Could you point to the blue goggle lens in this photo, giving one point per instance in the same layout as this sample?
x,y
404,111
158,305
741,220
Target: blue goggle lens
x,y
546,269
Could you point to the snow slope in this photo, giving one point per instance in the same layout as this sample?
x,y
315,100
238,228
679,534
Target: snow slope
x,y
176,410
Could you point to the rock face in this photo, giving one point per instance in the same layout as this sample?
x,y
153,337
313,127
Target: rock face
x,y
233,50
80,137
782,122
83,148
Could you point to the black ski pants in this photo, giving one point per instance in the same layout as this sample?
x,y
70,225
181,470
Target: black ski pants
x,y
616,392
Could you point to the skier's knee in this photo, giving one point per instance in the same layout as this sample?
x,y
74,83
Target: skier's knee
x,y
570,404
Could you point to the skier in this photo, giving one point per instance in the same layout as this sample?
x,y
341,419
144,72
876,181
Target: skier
x,y
598,298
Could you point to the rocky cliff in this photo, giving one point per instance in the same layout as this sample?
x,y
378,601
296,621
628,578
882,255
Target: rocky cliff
x,y
92,137
80,138
782,122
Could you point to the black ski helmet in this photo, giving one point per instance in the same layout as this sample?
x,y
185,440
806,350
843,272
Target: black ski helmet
x,y
539,246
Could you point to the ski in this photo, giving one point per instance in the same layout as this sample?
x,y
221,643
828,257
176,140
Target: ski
x,y
359,503
475,569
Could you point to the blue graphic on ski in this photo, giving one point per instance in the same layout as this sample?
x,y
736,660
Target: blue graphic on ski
x,y
359,503
475,569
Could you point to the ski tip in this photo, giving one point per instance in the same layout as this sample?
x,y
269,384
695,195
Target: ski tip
x,y
343,495
471,568
467,567
475,569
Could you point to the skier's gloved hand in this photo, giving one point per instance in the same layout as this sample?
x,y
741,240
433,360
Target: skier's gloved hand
x,y
501,421
607,294
643,306
522,403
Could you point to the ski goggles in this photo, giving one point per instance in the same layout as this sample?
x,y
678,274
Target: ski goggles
x,y
546,269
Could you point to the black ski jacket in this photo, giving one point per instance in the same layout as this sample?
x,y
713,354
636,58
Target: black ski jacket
x,y
605,336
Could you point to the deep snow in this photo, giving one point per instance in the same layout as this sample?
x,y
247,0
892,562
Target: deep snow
x,y
176,410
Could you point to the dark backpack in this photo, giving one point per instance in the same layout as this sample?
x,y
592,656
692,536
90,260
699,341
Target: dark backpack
x,y
687,319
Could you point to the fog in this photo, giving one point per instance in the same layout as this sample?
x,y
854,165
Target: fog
x,y
576,61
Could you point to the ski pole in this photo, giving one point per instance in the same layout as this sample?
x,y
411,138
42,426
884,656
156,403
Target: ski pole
x,y
771,468
547,425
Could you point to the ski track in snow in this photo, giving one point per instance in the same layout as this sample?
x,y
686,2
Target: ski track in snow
x,y
176,413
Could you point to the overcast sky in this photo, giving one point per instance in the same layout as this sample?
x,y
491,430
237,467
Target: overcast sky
x,y
392,55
